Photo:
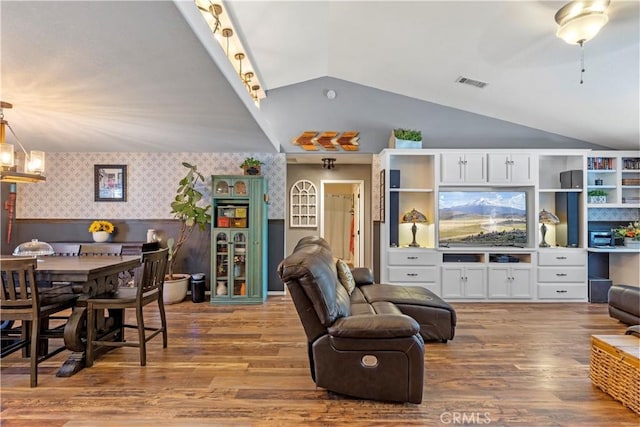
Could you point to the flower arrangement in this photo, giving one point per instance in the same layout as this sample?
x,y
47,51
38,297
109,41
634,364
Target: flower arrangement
x,y
101,226
631,231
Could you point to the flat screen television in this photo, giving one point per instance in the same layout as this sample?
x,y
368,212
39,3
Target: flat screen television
x,y
483,218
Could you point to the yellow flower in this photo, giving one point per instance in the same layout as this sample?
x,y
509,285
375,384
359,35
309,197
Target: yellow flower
x,y
101,226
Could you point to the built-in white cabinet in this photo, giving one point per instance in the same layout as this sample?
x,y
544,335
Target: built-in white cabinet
x,y
415,267
562,274
463,168
510,281
513,169
463,281
613,179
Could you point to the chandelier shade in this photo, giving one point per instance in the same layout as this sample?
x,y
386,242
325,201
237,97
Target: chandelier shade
x,y
580,21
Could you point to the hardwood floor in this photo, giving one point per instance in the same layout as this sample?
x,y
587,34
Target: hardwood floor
x,y
509,365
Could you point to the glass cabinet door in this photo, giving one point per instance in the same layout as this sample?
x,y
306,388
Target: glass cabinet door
x,y
222,187
239,277
240,187
222,263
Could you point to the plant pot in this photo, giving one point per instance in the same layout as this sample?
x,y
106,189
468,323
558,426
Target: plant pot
x,y
596,200
175,290
252,170
100,236
632,244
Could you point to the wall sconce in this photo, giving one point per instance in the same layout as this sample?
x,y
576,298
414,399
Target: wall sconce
x,y
34,163
414,216
328,163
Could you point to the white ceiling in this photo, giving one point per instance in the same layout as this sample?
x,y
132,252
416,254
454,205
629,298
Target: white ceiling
x,y
145,76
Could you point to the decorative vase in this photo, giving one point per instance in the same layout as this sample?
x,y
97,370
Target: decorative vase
x,y
631,244
221,289
100,236
175,290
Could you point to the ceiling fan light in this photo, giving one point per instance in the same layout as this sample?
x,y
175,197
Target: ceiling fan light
x,y
582,29
580,21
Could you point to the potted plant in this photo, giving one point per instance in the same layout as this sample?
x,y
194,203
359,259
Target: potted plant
x,y
406,138
101,230
251,166
630,234
597,196
187,208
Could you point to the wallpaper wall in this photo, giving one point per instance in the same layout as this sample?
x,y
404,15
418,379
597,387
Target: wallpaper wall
x,y
152,179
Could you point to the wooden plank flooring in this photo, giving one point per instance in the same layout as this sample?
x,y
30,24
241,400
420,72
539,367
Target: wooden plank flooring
x,y
509,365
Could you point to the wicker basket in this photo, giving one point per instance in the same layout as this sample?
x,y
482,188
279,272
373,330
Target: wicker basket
x,y
615,368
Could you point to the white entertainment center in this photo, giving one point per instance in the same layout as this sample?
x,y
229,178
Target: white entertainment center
x,y
423,179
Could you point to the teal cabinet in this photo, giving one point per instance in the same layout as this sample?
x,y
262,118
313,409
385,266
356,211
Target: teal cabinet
x,y
239,239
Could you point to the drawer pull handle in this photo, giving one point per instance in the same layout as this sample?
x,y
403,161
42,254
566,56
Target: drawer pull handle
x,y
561,291
561,274
412,274
412,257
561,257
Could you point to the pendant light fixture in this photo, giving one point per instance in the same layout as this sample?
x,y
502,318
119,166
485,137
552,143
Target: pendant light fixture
x,y
579,21
33,167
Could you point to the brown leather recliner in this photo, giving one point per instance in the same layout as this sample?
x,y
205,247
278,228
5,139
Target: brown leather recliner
x,y
377,355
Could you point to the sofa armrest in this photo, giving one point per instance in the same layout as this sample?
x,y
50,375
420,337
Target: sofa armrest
x,y
374,326
362,276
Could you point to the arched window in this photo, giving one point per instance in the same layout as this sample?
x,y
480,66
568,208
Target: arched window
x,y
303,204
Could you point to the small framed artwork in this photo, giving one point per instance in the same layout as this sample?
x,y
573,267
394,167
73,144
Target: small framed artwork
x,y
382,187
110,183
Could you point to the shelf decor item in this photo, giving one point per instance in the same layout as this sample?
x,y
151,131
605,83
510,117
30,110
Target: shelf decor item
x,y
597,196
251,166
630,234
405,138
101,230
414,216
545,217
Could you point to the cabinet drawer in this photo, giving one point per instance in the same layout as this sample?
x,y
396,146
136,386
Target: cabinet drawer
x,y
413,274
562,291
414,258
561,258
562,274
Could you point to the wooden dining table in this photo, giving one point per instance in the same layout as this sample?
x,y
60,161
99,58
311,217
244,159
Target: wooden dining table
x,y
95,275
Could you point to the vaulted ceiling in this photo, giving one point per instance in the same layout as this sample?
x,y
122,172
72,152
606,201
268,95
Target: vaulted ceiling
x,y
146,76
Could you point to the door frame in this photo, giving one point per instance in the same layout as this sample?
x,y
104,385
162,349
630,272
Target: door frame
x,y
359,231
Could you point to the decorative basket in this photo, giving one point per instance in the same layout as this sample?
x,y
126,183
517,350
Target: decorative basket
x,y
616,371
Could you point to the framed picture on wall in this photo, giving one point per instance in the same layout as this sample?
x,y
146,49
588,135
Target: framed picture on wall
x,y
110,183
382,196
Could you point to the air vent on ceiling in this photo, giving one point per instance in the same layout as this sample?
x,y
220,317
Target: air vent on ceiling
x,y
468,81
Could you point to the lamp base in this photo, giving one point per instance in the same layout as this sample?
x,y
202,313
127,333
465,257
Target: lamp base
x,y
414,245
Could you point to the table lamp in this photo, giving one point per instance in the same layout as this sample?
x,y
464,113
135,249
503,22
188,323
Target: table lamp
x,y
414,216
545,217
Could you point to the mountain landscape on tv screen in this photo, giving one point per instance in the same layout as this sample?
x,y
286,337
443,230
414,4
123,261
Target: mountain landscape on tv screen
x,y
483,218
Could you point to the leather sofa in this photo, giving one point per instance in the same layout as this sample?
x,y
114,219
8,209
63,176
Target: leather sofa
x,y
624,303
366,341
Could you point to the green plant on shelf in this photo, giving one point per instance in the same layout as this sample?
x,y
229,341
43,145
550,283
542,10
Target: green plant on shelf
x,y
597,193
407,134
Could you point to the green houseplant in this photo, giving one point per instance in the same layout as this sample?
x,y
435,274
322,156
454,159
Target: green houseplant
x,y
251,166
597,196
186,207
407,134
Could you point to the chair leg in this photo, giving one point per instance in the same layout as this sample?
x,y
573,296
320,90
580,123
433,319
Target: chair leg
x,y
91,324
35,340
141,336
163,320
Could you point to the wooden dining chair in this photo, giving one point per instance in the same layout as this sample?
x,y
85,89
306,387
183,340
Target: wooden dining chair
x,y
148,290
20,300
66,249
109,249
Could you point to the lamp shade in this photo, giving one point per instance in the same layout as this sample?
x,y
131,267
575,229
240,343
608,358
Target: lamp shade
x,y
414,216
580,21
546,217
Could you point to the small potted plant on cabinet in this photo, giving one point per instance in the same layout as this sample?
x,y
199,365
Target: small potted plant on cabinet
x,y
406,138
597,196
187,208
251,166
